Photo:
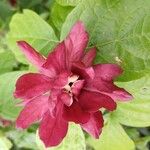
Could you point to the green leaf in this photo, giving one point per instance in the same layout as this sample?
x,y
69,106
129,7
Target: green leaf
x,y
137,112
7,61
113,137
119,29
28,3
141,143
32,28
5,10
5,143
23,139
68,2
59,14
74,140
8,108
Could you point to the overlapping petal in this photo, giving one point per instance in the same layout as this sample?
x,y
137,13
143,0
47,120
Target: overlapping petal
x,y
56,61
76,42
75,113
92,101
33,111
107,72
53,129
89,57
31,54
31,85
94,125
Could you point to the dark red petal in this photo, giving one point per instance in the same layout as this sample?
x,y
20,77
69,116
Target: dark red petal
x,y
31,54
61,80
76,87
75,113
94,125
89,57
66,99
85,73
120,94
108,88
31,85
107,72
76,42
33,111
53,101
93,101
53,129
56,61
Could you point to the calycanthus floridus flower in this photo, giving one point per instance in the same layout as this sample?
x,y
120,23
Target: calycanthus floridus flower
x,y
68,88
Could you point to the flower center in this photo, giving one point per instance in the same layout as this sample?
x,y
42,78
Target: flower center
x,y
70,83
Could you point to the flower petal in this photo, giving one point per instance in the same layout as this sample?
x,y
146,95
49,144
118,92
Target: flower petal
x,y
108,88
53,101
66,99
75,113
53,129
85,73
33,111
31,85
76,42
77,86
94,125
31,54
56,61
89,57
93,101
107,72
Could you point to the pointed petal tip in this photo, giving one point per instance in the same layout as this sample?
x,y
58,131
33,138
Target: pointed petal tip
x,y
21,43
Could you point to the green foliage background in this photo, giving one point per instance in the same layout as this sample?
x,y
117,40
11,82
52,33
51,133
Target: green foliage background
x,y
120,29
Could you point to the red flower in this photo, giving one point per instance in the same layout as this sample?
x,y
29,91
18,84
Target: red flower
x,y
67,88
13,2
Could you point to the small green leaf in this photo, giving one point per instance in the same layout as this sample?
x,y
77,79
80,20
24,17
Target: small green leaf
x,y
8,108
74,140
137,112
68,2
32,28
113,137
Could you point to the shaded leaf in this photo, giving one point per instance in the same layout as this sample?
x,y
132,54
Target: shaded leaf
x,y
113,137
8,108
33,29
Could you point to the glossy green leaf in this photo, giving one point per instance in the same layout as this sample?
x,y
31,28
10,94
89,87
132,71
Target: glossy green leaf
x,y
74,140
113,137
119,29
137,112
32,28
69,2
8,108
